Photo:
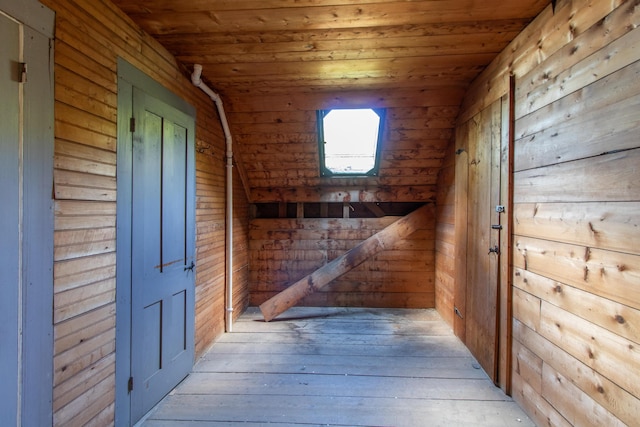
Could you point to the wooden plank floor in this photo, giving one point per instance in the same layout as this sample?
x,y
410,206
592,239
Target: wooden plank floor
x,y
338,367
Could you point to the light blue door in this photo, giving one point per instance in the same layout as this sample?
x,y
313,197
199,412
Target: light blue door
x,y
9,220
162,260
26,215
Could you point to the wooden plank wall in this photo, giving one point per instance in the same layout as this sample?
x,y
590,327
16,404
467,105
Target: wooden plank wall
x,y
576,296
90,35
445,238
241,219
282,251
280,150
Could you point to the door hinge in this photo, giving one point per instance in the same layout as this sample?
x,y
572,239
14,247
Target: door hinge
x,y
132,124
130,385
22,72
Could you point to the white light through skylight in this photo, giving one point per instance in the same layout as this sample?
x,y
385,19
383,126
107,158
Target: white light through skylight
x,y
351,139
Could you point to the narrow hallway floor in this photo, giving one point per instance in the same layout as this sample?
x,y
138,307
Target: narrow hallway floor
x,y
338,367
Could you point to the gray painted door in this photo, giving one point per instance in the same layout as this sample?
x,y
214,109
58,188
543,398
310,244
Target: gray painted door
x,y
26,216
9,221
162,317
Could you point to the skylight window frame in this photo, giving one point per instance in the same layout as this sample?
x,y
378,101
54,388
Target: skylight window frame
x,y
326,172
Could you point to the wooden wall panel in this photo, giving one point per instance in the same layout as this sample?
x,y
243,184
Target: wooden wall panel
x,y
576,299
280,151
445,238
241,218
551,31
90,36
282,251
606,225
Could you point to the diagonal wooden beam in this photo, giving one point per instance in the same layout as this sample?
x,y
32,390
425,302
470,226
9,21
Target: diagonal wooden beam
x,y
397,231
375,209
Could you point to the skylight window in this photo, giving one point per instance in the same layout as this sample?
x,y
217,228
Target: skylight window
x,y
350,141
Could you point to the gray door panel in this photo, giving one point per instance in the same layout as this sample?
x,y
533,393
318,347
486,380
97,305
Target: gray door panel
x,y
26,224
162,251
9,220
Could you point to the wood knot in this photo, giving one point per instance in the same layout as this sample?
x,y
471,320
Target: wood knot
x,y
591,355
620,319
600,389
558,289
572,30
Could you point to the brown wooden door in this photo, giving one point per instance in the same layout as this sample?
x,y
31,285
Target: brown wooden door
x,y
482,243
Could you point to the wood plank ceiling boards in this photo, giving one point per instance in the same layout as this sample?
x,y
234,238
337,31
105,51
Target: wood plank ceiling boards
x,y
276,62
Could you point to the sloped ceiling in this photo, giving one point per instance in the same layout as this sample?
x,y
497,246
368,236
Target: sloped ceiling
x,y
275,62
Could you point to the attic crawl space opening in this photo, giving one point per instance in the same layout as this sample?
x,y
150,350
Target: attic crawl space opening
x,y
349,141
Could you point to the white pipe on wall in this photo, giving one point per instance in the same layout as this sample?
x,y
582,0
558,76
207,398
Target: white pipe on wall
x,y
197,81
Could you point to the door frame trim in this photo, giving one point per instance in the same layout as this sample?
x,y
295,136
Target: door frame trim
x,y
129,77
34,346
31,13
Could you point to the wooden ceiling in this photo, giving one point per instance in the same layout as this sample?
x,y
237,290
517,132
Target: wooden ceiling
x,y
275,62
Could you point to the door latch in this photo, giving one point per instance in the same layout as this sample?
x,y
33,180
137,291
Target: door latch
x,y
457,312
191,267
500,209
494,249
